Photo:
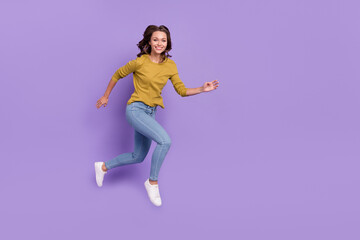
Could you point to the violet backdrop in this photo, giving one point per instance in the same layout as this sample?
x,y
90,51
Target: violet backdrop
x,y
271,154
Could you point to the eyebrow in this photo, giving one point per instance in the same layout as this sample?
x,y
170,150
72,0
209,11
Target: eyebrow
x,y
162,38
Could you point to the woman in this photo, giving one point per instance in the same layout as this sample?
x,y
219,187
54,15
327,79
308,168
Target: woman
x,y
151,70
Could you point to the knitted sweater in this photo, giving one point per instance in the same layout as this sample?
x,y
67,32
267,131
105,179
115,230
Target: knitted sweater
x,y
150,78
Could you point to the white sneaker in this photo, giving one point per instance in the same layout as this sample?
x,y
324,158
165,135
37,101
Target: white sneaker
x,y
153,193
99,173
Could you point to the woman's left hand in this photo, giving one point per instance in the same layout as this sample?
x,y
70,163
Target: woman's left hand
x,y
209,86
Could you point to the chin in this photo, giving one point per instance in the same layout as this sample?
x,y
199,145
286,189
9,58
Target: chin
x,y
157,51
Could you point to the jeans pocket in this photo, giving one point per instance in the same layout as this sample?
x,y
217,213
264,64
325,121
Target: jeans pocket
x,y
139,106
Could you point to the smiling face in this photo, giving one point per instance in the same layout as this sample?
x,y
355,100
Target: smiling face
x,y
158,42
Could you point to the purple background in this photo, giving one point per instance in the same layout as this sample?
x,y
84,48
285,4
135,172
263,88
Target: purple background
x,y
271,154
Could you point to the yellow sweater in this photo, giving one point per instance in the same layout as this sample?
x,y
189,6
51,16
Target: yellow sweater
x,y
150,78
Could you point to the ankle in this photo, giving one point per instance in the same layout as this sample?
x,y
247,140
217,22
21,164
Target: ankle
x,y
153,182
103,167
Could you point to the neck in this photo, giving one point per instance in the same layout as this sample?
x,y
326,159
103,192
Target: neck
x,y
155,57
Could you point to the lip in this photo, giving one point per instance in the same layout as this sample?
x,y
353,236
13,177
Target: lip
x,y
158,48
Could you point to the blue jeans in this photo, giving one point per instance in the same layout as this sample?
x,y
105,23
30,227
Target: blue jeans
x,y
142,118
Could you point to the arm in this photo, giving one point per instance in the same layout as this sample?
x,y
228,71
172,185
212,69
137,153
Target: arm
x,y
120,73
104,99
193,91
207,87
109,88
184,92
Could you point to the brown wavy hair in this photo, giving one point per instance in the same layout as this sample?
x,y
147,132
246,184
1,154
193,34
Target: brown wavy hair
x,y
144,45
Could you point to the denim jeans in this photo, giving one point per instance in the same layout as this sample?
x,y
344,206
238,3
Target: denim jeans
x,y
142,118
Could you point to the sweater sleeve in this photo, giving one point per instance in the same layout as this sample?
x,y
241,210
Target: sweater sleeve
x,y
125,70
179,86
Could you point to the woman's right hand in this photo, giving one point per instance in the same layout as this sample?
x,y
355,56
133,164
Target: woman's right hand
x,y
102,101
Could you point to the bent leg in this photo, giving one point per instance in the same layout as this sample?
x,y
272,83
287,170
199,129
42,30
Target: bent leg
x,y
141,148
149,127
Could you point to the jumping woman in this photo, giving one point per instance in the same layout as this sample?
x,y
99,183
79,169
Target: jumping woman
x,y
151,70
